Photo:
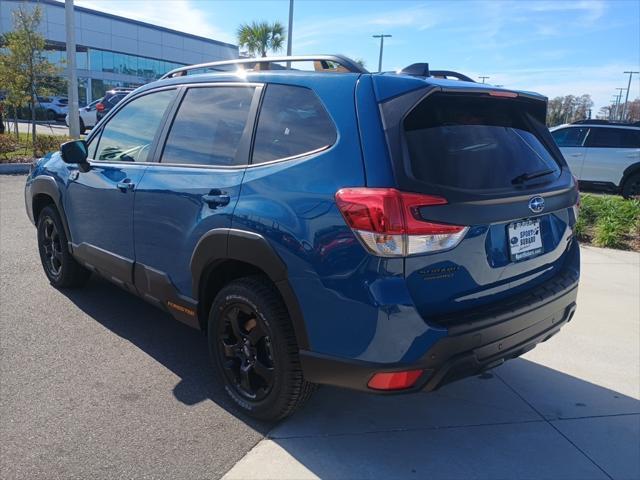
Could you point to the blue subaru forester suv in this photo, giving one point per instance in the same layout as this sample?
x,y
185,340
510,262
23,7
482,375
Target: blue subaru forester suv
x,y
383,232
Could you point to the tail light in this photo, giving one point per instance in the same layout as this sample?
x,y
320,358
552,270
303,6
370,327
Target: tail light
x,y
100,107
389,224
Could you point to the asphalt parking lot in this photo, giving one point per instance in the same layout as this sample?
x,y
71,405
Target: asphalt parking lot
x,y
97,384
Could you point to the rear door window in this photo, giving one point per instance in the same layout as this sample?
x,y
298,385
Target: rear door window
x,y
570,136
292,122
208,127
476,143
603,137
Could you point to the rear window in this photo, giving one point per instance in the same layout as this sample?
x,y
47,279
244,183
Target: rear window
x,y
476,143
292,122
603,137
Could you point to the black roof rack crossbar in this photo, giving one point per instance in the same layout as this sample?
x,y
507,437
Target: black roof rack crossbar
x,y
450,73
422,70
342,61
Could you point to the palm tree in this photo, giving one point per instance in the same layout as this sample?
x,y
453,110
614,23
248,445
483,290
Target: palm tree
x,y
259,37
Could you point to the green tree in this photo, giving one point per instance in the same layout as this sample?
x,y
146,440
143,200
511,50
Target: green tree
x,y
260,37
24,71
568,109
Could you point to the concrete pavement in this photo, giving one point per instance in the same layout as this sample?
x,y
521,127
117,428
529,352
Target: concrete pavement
x,y
98,384
569,409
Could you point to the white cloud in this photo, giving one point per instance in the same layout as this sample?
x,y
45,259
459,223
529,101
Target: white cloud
x,y
181,15
599,82
309,33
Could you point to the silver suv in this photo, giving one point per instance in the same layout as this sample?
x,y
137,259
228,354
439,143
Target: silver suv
x,y
601,154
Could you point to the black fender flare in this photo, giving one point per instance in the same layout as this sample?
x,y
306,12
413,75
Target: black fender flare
x,y
630,170
47,185
222,244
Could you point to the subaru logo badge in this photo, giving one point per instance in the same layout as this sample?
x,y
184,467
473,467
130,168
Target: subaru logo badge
x,y
536,204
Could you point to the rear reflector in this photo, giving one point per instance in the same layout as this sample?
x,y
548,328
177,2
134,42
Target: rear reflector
x,y
394,380
389,224
500,93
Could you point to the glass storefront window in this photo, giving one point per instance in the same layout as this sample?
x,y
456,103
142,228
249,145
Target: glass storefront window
x,y
95,60
81,60
107,62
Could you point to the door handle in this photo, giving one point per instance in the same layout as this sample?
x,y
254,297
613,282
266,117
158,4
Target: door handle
x,y
125,185
216,198
575,154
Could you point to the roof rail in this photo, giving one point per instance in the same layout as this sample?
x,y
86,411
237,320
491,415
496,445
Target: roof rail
x,y
344,64
598,121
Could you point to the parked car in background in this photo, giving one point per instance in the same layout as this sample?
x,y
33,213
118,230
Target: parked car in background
x,y
602,154
56,107
382,232
110,100
88,117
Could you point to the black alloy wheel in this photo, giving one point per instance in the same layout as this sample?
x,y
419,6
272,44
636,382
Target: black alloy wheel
x,y
254,350
62,270
52,248
246,351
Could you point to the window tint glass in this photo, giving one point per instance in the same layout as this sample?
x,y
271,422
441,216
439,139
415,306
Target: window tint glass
x,y
129,134
603,137
476,143
631,138
208,126
569,137
292,122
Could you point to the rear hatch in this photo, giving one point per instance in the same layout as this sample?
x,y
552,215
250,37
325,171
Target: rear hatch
x,y
489,156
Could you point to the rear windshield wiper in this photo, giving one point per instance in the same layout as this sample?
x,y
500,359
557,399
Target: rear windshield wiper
x,y
530,176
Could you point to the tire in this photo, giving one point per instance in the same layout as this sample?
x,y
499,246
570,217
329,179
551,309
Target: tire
x,y
254,351
83,129
51,115
62,270
631,186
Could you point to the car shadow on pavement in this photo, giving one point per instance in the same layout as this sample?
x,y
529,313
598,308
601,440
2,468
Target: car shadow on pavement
x,y
522,420
178,347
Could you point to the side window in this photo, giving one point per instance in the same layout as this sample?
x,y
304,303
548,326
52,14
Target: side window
x,y
630,138
602,137
292,121
208,126
569,137
129,134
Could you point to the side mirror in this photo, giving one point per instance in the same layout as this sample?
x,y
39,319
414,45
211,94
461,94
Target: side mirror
x,y
75,151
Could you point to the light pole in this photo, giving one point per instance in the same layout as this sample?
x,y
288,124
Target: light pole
x,y
382,36
72,84
618,111
290,32
626,100
483,78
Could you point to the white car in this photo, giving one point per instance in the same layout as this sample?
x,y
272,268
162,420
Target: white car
x,y
56,107
602,154
87,116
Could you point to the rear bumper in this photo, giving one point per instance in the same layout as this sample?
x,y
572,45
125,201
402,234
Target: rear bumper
x,y
471,346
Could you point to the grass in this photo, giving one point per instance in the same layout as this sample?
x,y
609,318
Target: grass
x,y
609,221
20,151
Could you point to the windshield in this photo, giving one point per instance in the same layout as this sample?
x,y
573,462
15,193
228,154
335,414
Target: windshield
x,y
476,142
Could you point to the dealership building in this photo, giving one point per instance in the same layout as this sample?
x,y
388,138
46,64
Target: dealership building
x,y
113,51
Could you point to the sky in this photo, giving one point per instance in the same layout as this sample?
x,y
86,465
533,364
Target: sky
x,y
553,47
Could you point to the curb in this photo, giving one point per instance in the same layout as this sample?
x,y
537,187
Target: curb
x,y
14,168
